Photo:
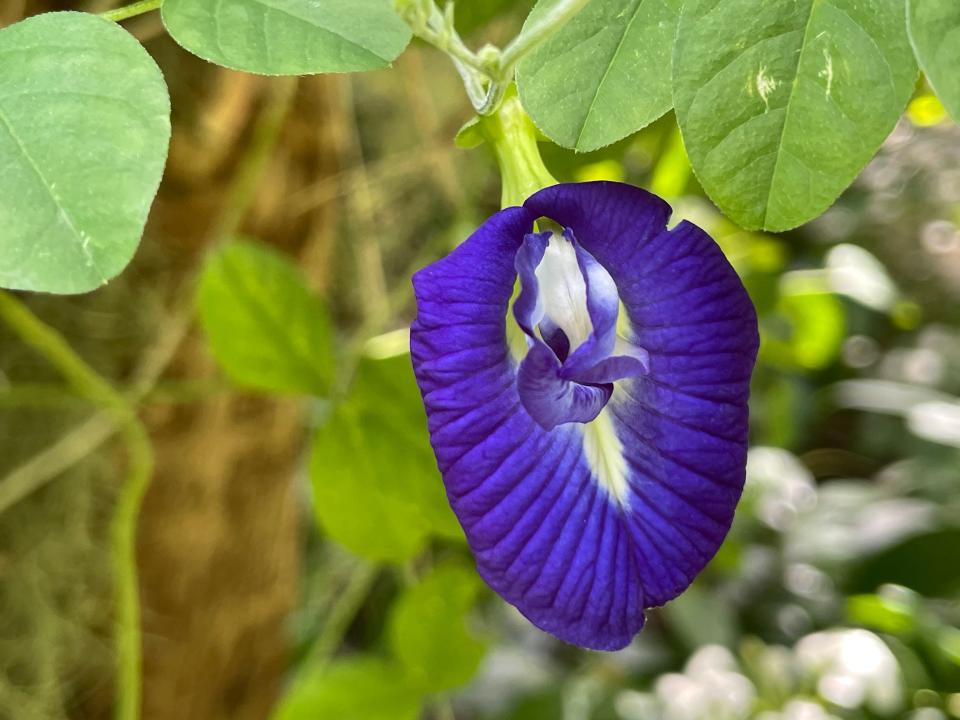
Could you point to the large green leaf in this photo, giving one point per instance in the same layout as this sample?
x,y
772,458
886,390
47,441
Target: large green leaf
x,y
359,688
604,75
934,27
289,37
428,629
266,330
375,480
84,130
782,102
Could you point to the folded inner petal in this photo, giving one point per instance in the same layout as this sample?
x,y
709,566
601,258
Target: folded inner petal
x,y
568,307
550,399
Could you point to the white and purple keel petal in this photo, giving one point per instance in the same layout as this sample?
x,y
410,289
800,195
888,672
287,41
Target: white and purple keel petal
x,y
598,475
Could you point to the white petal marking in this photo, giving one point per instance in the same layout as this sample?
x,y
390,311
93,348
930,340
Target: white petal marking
x,y
604,453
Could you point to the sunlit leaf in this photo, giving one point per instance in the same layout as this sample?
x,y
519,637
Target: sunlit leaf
x,y
604,75
289,37
84,130
805,330
360,688
782,103
428,630
266,330
889,615
934,27
376,486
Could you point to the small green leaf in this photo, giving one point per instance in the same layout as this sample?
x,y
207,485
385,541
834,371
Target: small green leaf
x,y
84,130
289,37
934,27
470,135
896,616
376,486
359,688
266,330
428,629
783,102
604,75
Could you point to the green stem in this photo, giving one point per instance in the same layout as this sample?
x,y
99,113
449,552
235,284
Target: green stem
x,y
246,181
71,448
342,614
513,137
123,533
51,344
488,73
132,10
41,395
539,30
88,383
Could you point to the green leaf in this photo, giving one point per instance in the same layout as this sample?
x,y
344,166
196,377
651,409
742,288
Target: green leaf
x,y
376,486
604,75
84,130
266,330
428,630
934,27
896,616
289,37
783,102
360,688
470,135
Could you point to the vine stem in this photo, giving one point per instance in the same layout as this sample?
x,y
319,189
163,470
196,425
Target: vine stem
x,y
338,621
88,383
132,10
118,412
488,73
538,31
243,187
123,533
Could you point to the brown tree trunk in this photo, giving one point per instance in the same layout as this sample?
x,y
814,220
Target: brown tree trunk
x,y
218,532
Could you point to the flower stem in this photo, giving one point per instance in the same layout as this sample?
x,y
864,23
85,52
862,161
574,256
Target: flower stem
x,y
538,31
488,73
132,10
513,137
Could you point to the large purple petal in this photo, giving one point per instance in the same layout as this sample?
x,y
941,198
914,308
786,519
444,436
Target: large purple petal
x,y
683,425
544,533
578,554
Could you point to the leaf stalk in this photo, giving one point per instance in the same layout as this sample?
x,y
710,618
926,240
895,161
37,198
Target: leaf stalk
x,y
132,10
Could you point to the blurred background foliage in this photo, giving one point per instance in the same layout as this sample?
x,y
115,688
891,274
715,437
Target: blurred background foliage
x,y
297,559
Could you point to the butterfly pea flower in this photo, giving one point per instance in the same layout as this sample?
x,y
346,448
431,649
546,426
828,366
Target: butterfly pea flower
x,y
595,467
